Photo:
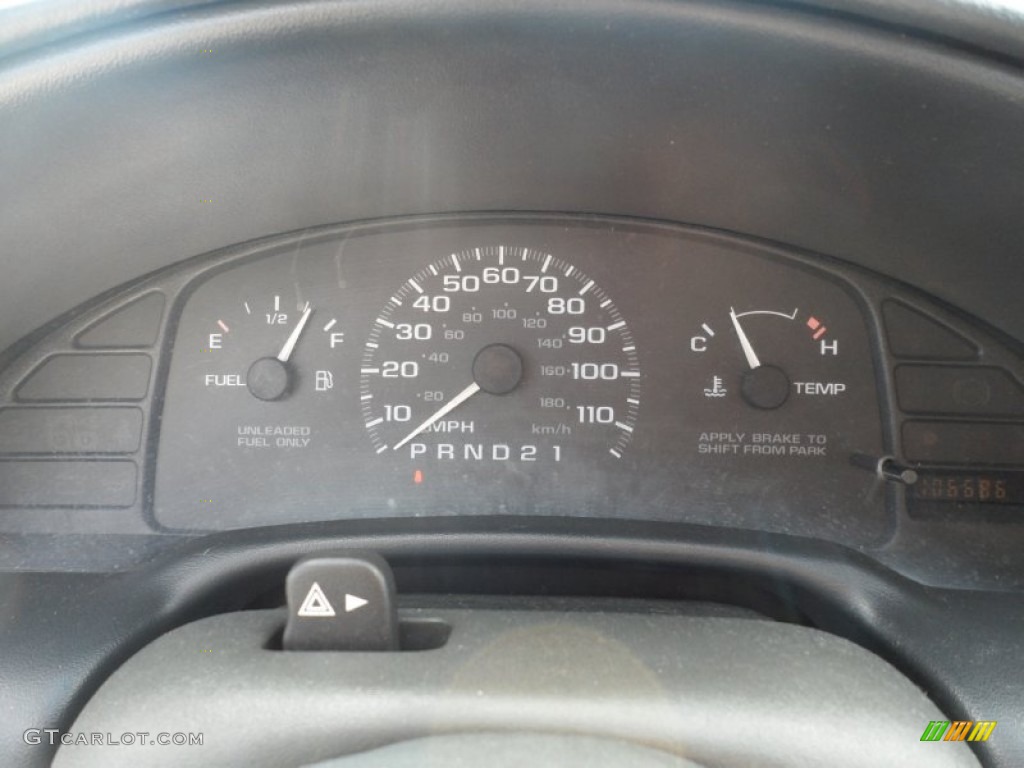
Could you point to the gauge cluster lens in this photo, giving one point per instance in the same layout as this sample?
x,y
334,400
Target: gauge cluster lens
x,y
521,368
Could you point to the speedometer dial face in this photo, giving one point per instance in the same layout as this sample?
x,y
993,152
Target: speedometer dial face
x,y
500,354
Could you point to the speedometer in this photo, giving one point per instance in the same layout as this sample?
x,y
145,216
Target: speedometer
x,y
499,354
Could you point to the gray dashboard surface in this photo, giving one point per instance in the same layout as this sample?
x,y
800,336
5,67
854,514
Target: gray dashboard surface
x,y
184,132
722,692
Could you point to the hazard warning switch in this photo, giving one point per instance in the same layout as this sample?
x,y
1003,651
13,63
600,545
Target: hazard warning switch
x,y
341,603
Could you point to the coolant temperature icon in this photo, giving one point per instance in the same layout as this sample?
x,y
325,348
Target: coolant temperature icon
x,y
716,389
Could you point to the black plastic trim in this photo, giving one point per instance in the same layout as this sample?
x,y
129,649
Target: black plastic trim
x,y
843,592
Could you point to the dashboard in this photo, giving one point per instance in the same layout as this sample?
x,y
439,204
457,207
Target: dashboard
x,y
524,366
670,354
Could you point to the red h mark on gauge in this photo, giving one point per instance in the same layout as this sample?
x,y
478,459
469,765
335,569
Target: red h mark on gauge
x,y
815,325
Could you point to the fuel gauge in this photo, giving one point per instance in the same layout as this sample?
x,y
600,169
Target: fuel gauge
x,y
258,342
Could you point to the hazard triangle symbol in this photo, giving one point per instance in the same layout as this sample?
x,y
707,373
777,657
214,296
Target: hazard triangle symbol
x,y
316,603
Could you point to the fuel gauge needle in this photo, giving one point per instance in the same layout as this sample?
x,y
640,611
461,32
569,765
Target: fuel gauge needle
x,y
444,410
748,349
293,339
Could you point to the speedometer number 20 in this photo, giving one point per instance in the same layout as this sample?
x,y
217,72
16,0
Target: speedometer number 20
x,y
504,354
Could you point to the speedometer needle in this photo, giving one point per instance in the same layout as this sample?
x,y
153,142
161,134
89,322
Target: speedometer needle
x,y
748,349
293,339
445,409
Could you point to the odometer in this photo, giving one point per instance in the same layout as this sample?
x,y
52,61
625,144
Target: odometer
x,y
500,354
968,488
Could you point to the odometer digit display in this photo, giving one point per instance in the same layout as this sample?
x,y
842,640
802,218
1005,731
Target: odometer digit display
x,y
969,487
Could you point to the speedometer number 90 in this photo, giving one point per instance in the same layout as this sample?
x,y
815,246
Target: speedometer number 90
x,y
503,354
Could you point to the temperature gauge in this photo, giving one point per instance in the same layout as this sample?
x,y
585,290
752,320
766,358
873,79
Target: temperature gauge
x,y
779,384
766,356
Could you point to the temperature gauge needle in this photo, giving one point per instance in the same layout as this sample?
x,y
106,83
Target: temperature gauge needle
x,y
293,339
445,409
748,349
